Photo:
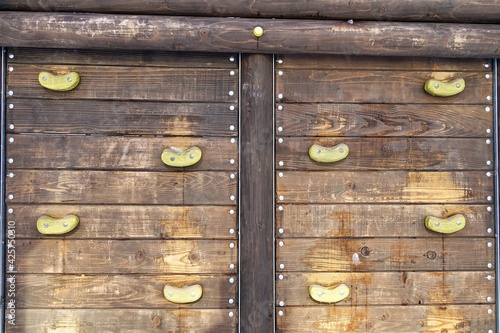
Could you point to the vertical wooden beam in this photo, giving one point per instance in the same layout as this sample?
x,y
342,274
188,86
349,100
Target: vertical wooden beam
x,y
257,194
3,128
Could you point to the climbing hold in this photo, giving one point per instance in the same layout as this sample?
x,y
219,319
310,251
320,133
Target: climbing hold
x,y
176,157
63,82
444,89
186,294
329,294
445,226
328,155
258,31
48,225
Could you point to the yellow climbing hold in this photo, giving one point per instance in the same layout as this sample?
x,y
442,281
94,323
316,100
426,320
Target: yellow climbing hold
x,y
329,294
63,82
176,157
187,294
258,31
328,155
444,89
445,226
47,225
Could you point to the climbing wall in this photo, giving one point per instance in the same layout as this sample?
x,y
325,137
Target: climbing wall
x,y
98,155
364,155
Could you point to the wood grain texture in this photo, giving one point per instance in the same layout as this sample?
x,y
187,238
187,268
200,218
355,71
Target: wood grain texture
x,y
124,320
430,120
392,288
368,220
320,86
426,10
121,187
132,222
129,32
117,153
387,319
389,154
384,187
125,256
385,254
121,117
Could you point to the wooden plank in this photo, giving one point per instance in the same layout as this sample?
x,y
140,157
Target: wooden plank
x,y
387,319
120,58
142,222
390,154
436,120
129,83
385,254
384,187
234,34
52,291
392,288
125,256
121,117
116,153
257,204
371,220
319,86
121,187
124,320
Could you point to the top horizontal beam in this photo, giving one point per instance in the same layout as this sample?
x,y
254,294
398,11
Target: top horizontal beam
x,y
466,11
129,32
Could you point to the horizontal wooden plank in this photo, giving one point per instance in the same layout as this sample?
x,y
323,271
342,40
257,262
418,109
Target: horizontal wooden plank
x,y
393,288
129,83
333,86
116,153
387,319
142,222
430,120
125,256
384,187
120,117
367,220
121,58
121,187
124,320
52,291
385,254
390,154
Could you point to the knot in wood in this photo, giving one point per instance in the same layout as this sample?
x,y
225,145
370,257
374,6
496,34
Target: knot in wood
x,y
139,255
431,255
365,251
156,321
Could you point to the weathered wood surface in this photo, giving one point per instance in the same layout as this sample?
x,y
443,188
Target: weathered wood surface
x,y
121,117
125,320
122,187
117,152
430,120
118,291
390,154
315,86
385,254
426,10
129,83
387,319
132,222
392,288
384,187
101,31
125,256
365,220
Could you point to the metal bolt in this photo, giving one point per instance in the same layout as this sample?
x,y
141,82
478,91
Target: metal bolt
x,y
45,225
487,76
231,211
488,98
489,278
231,280
280,61
10,197
231,314
341,150
11,175
458,85
280,230
280,313
281,243
44,78
10,69
233,140
342,292
280,129
280,140
280,72
65,224
232,198
488,130
281,163
192,295
280,174
282,266
488,109
282,197
320,294
436,86
231,301
459,222
487,65
69,79
231,245
231,266
11,56
280,208
231,127
191,156
11,106
281,277
231,93
280,96
489,198
231,58
490,311
489,230
280,107
490,244
232,176
438,224
488,174
231,73
282,303
232,161
490,265
232,108
10,160
10,211
10,93
489,209
488,141
488,162
11,140
231,231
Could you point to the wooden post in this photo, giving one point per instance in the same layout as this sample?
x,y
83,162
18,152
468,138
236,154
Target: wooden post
x,y
257,199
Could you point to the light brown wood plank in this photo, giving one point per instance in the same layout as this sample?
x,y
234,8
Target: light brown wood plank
x,y
384,187
124,320
121,187
332,86
378,220
142,222
125,256
394,288
116,153
129,83
387,319
385,254
121,117
118,291
436,120
390,154
121,58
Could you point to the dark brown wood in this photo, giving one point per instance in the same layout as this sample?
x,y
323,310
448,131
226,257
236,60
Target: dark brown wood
x,y
256,186
100,31
425,10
